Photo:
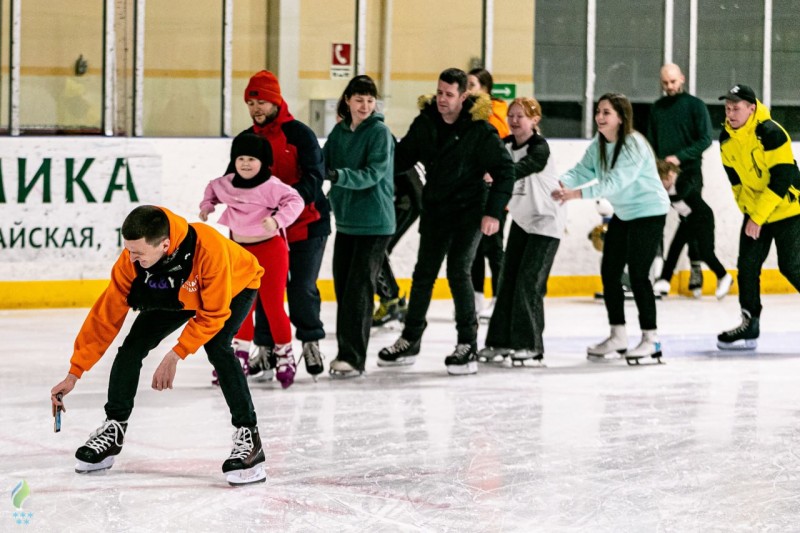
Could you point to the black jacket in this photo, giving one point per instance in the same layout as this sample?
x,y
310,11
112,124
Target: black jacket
x,y
454,166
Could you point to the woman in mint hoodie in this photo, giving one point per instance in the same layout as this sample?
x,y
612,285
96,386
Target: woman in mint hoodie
x,y
359,156
620,166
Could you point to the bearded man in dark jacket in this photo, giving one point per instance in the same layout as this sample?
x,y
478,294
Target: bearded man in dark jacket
x,y
453,140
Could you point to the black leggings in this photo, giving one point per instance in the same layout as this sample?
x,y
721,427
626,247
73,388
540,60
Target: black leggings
x,y
633,243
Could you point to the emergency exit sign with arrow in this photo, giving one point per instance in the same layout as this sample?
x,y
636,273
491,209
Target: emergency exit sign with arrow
x,y
506,91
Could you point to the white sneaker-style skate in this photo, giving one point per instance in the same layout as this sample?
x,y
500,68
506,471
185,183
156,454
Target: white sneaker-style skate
x,y
661,287
527,358
723,286
649,347
616,342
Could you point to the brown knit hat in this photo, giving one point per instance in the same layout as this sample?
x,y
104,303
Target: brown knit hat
x,y
264,86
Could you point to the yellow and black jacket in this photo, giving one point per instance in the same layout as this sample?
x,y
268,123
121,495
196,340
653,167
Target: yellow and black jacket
x,y
761,168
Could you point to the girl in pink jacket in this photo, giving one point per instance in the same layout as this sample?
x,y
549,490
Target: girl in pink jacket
x,y
260,207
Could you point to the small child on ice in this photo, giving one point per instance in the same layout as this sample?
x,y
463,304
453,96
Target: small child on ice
x,y
260,207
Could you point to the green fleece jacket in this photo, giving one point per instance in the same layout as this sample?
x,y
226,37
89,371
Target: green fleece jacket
x,y
363,195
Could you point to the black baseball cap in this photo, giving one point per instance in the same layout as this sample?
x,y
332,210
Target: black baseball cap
x,y
740,92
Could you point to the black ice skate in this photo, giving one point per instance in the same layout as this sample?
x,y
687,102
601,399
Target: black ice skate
x,y
527,358
402,353
491,354
313,359
462,361
743,337
99,451
262,363
246,462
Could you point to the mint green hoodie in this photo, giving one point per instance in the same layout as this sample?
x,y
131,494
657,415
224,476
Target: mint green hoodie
x,y
363,196
632,187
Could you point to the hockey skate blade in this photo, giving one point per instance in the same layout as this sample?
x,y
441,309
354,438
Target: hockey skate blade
x,y
406,360
463,370
248,476
82,467
494,360
738,346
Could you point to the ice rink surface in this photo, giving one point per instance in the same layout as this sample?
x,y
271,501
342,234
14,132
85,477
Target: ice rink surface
x,y
708,441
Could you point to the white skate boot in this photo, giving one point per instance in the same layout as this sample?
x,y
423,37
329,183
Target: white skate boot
x,y
616,342
527,358
649,346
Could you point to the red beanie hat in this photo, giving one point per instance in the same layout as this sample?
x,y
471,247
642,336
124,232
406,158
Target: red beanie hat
x,y
264,86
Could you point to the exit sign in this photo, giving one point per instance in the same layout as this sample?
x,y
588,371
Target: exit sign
x,y
506,91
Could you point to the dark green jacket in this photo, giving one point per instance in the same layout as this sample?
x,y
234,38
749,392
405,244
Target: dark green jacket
x,y
454,167
363,195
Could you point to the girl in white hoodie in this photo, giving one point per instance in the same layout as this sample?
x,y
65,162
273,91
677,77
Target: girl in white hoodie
x,y
538,221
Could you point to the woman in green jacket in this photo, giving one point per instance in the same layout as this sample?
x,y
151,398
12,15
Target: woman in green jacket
x,y
359,156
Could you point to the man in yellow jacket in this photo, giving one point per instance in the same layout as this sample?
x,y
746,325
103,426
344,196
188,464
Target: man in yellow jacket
x,y
757,156
174,273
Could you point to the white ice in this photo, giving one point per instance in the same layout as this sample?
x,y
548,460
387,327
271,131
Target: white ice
x,y
708,441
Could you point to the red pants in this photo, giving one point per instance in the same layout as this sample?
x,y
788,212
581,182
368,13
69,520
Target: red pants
x,y
273,255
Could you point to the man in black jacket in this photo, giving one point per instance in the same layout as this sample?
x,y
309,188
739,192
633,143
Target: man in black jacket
x,y
453,140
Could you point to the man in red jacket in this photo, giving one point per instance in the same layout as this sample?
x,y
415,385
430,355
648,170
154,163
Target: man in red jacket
x,y
175,274
297,162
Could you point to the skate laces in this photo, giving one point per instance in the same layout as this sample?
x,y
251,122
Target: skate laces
x,y
242,443
400,345
109,433
311,354
741,328
462,350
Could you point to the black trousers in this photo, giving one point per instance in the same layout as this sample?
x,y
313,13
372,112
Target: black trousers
x,y
356,262
150,328
518,318
633,243
490,249
697,229
458,243
406,212
753,253
305,259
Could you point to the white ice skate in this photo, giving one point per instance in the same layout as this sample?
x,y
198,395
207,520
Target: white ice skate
x,y
661,287
723,286
616,342
648,350
342,370
527,358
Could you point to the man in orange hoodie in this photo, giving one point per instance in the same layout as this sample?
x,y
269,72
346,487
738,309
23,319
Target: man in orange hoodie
x,y
175,274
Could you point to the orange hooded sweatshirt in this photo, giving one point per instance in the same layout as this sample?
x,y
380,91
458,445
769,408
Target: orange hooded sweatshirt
x,y
221,270
499,117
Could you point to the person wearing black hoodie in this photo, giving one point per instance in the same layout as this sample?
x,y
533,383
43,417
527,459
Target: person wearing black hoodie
x,y
453,140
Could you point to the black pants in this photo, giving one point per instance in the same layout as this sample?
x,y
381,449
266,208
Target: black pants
x,y
150,328
491,249
697,228
458,243
753,253
305,258
356,262
406,212
518,318
635,243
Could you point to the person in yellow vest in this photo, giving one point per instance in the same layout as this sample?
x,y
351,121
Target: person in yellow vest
x,y
757,156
